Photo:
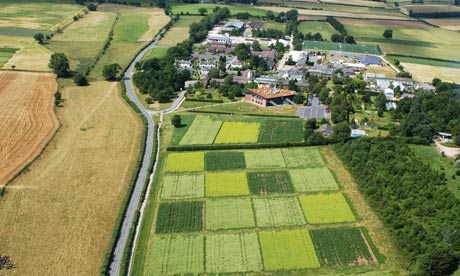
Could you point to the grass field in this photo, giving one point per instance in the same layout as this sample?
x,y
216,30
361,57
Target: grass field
x,y
233,253
424,61
156,53
266,158
237,132
176,255
274,25
230,213
30,56
179,31
342,246
452,24
226,184
302,157
27,119
224,161
270,182
185,162
281,131
63,208
6,54
276,212
202,131
322,27
249,108
287,250
313,180
193,8
326,208
180,217
426,73
343,47
180,186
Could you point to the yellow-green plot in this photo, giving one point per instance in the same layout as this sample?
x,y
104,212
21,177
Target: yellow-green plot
x,y
185,162
238,132
202,131
283,211
229,213
226,184
313,180
176,255
326,208
287,250
178,186
266,158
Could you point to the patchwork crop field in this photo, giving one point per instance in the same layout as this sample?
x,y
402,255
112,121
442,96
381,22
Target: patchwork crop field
x,y
281,131
253,211
202,131
238,132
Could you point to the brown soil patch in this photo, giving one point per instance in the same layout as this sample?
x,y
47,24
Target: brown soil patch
x,y
27,119
452,24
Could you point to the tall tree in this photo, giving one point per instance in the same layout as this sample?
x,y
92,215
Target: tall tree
x,y
388,34
110,71
202,11
59,63
39,37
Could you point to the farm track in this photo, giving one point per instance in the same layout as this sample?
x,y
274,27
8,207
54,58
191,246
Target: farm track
x,y
27,121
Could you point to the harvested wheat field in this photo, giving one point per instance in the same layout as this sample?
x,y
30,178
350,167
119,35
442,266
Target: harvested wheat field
x,y
27,119
57,218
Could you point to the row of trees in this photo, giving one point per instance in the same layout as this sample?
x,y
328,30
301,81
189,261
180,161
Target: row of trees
x,y
412,199
199,31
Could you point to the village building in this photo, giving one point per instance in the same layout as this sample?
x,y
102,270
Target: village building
x,y
232,26
267,96
225,40
325,130
355,133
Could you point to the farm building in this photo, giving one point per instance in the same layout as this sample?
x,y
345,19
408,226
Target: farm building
x,y
370,60
355,133
325,130
220,40
268,96
233,25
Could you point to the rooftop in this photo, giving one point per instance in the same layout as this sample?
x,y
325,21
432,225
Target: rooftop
x,y
271,93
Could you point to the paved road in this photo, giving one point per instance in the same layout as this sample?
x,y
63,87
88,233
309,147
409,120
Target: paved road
x,y
143,173
315,111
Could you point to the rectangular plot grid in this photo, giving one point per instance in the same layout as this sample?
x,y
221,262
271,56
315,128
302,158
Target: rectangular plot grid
x,y
238,132
179,186
180,217
313,180
185,162
302,157
266,158
281,131
270,183
232,213
202,131
326,208
226,184
283,211
223,161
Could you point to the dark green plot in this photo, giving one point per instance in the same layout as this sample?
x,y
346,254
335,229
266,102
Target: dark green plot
x,y
281,131
224,161
180,217
270,182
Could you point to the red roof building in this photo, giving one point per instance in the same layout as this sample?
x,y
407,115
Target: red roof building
x,y
268,96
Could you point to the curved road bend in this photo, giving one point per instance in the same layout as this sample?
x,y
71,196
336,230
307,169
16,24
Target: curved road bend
x,y
135,199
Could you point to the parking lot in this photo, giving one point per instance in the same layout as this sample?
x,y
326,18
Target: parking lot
x,y
315,111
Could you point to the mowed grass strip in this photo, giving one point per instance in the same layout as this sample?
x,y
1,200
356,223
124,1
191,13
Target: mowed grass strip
x,y
313,180
179,217
342,247
281,131
266,158
287,250
224,161
326,208
202,131
238,132
233,253
176,255
270,182
283,211
178,186
226,184
302,158
229,213
185,162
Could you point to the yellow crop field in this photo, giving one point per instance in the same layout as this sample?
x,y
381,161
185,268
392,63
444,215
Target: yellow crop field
x,y
226,184
185,162
238,132
326,208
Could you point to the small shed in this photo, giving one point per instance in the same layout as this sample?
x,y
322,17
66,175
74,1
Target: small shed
x,y
445,136
355,133
325,130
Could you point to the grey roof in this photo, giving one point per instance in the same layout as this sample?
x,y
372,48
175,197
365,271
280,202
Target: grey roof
x,y
368,60
257,25
237,24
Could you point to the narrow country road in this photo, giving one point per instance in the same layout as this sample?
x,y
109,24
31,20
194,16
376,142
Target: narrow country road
x,y
135,200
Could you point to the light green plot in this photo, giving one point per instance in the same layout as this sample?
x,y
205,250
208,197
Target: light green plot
x,y
176,255
231,213
282,211
177,186
267,158
202,131
185,162
313,180
302,158
233,253
289,249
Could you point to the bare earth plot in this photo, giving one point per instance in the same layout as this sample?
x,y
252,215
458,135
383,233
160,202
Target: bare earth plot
x,y
58,217
27,119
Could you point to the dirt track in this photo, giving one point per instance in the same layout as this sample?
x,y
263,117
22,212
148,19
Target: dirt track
x,y
27,119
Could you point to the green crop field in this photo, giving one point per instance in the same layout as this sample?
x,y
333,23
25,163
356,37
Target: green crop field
x,y
233,253
179,132
6,54
281,131
287,250
270,182
274,25
224,161
322,27
226,184
229,213
193,8
343,47
176,255
179,217
185,162
425,61
178,186
302,157
282,211
266,158
238,132
313,180
202,131
156,53
124,31
326,208
186,21
342,246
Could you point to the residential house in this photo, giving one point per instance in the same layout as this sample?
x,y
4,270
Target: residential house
x,y
325,130
266,80
205,67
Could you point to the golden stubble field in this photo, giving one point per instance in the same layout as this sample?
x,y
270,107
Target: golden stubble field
x,y
27,119
58,217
